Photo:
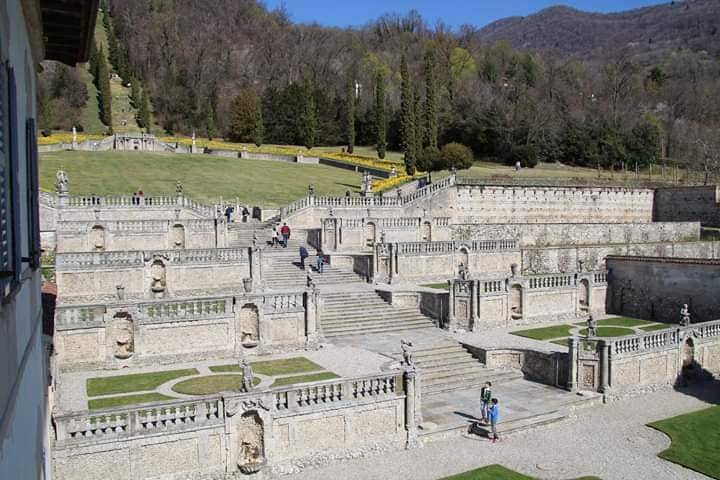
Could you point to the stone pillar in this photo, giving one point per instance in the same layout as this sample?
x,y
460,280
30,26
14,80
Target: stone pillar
x,y
62,199
391,263
572,363
312,312
604,366
475,300
451,305
256,266
409,379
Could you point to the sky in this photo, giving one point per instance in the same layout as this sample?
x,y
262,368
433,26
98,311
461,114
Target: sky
x,y
343,13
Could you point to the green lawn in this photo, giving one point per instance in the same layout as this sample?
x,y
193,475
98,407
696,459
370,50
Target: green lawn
x,y
311,377
655,327
272,368
497,472
610,332
695,440
204,177
136,382
210,384
440,286
110,402
545,333
620,322
395,157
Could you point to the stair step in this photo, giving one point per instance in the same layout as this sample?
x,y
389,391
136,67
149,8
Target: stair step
x,y
367,327
399,328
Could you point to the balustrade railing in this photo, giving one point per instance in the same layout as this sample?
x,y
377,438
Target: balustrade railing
x,y
137,201
79,317
552,281
600,277
663,338
137,226
492,286
186,309
283,302
64,261
434,248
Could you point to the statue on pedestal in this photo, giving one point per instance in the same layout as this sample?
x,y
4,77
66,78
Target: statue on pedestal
x,y
247,374
591,326
178,188
685,315
61,182
407,353
463,272
311,190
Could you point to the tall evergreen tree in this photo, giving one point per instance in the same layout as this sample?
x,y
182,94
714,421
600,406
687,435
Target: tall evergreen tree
x,y
380,117
93,60
259,130
419,125
350,125
308,119
210,124
143,115
135,92
104,94
407,118
431,102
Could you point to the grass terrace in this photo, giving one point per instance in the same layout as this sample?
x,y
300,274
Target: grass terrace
x,y
121,401
695,440
497,472
608,327
137,382
211,384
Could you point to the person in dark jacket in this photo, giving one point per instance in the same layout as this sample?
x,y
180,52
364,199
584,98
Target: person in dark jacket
x,y
303,255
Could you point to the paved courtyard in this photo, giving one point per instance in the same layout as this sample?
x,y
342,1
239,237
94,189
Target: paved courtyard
x,y
611,442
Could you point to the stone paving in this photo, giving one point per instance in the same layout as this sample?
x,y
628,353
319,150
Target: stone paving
x,y
611,442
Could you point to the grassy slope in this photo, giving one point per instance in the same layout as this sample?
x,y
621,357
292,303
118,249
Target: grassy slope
x,y
122,109
695,440
265,183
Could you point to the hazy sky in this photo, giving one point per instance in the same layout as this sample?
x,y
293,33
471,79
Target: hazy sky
x,y
453,12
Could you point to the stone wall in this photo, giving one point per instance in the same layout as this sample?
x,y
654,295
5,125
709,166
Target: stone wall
x,y
554,234
119,335
118,235
688,204
221,436
94,277
656,288
566,259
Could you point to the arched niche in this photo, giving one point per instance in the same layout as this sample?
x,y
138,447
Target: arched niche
x,y
158,279
249,325
369,232
122,335
426,232
177,236
584,294
97,238
515,302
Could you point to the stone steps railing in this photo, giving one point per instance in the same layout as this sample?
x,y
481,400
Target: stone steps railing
x,y
70,261
178,415
450,246
127,201
662,339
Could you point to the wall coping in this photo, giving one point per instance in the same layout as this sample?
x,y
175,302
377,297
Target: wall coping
x,y
683,261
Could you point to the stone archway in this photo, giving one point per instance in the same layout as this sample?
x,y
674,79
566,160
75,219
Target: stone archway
x,y
177,237
584,294
249,326
426,232
97,238
369,232
122,335
515,302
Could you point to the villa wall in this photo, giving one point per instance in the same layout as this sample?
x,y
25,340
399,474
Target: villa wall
x,y
697,204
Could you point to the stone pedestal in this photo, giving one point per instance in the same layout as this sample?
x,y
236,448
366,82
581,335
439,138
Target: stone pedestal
x,y
409,379
572,364
604,366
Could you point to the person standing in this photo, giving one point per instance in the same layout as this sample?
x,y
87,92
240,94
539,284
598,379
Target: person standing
x,y
494,414
320,262
303,255
285,232
274,239
485,397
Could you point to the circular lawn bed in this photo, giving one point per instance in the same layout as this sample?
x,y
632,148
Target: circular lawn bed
x,y
209,384
610,332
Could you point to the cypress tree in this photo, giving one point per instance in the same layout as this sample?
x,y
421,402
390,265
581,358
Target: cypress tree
x,y
93,60
135,92
259,127
407,118
431,102
143,115
350,115
380,120
104,94
210,125
308,119
417,112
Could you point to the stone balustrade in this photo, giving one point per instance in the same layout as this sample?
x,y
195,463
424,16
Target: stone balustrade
x,y
137,226
127,201
662,339
552,281
139,420
186,309
391,223
77,317
600,277
332,391
435,248
80,261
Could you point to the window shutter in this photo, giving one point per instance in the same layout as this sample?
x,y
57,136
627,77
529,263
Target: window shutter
x,y
14,174
5,240
33,193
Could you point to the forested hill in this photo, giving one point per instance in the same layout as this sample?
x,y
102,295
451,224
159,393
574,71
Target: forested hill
x,y
651,31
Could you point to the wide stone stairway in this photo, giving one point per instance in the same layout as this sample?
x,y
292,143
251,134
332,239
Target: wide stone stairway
x,y
364,312
282,271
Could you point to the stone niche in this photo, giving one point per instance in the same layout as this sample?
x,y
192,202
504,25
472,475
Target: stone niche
x,y
158,278
177,236
249,320
245,421
97,239
122,336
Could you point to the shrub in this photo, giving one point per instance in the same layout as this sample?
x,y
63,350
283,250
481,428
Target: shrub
x,y
456,155
429,160
526,154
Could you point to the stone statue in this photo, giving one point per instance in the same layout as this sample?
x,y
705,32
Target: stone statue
x,y
193,140
157,279
463,271
366,189
247,375
393,172
310,283
61,182
591,326
74,135
178,188
407,353
399,193
685,315
311,190
382,236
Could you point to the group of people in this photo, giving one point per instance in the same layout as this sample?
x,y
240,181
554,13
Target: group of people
x,y
490,410
280,237
319,261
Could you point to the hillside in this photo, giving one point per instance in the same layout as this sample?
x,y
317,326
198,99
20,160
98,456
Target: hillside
x,y
649,31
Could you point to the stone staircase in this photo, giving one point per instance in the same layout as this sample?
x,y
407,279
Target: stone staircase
x,y
241,234
365,312
447,366
281,270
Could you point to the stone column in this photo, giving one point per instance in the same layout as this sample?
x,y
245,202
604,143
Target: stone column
x,y
256,266
604,366
475,300
572,363
451,305
391,263
311,317
409,378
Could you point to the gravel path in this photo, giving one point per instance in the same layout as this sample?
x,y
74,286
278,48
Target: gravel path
x,y
609,441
